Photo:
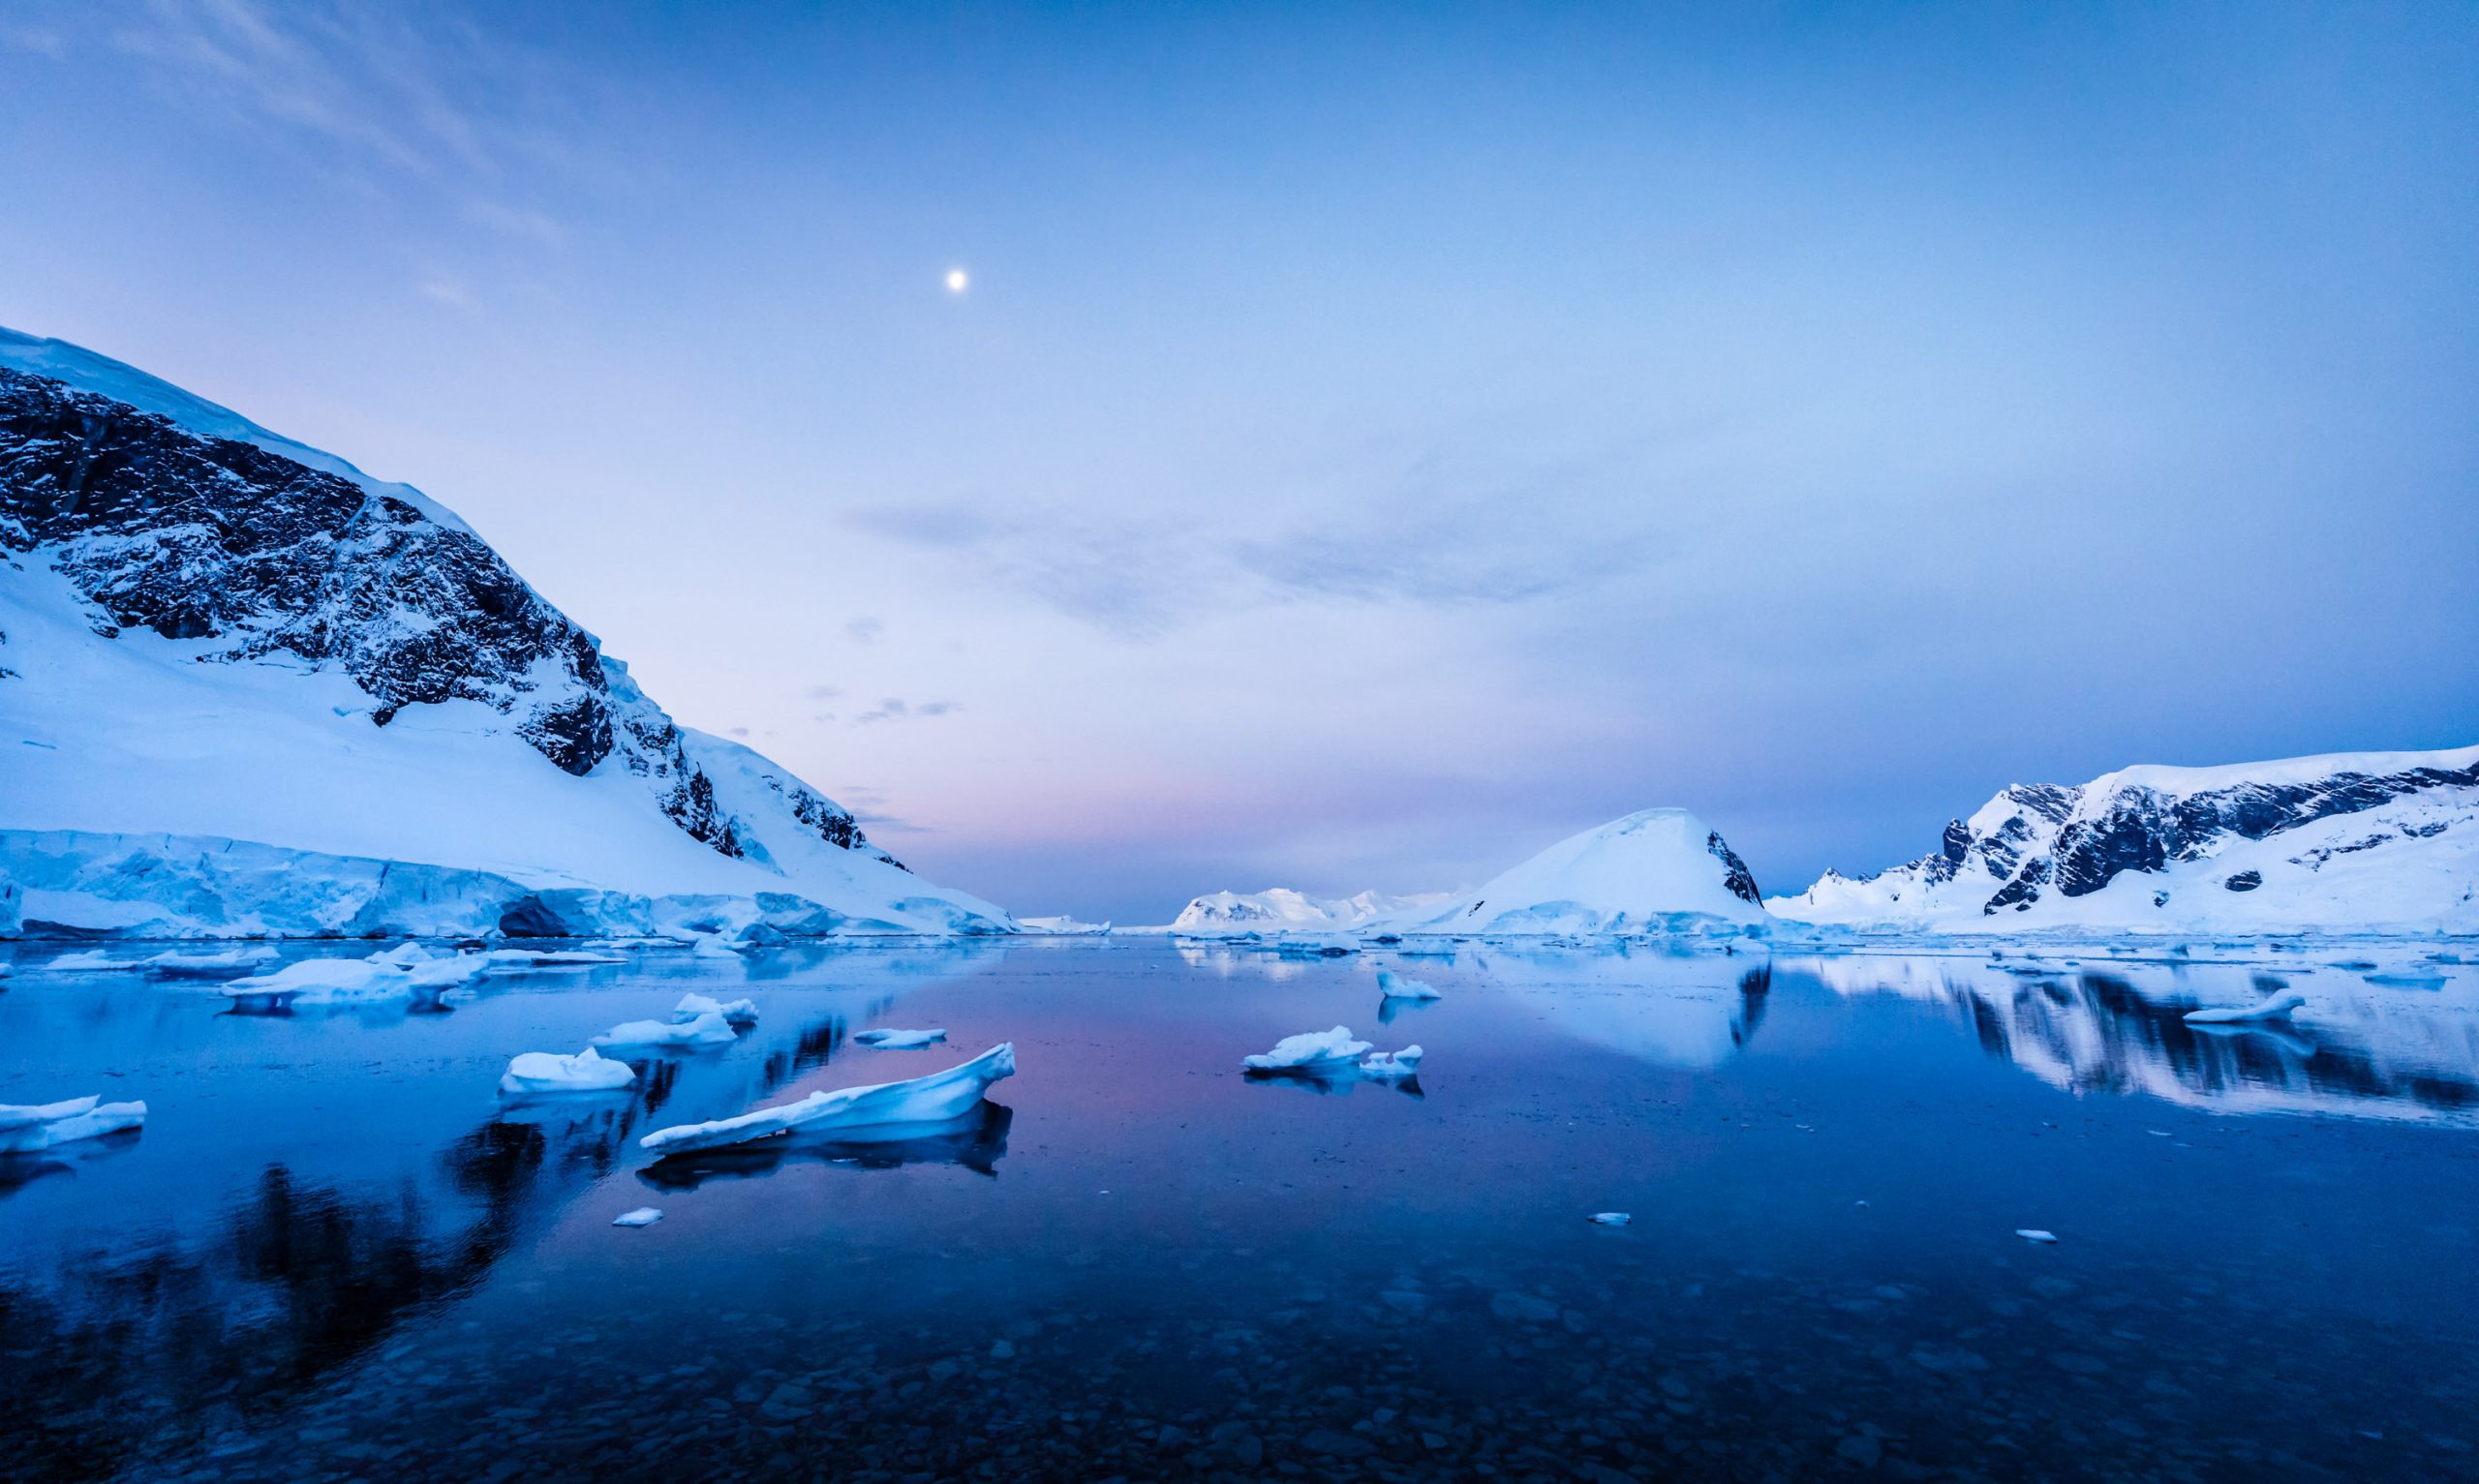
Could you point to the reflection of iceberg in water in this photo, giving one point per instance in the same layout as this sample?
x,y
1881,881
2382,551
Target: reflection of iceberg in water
x,y
1672,1007
2354,1050
977,1142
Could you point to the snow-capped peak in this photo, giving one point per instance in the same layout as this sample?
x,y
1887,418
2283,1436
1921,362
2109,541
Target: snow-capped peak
x,y
1645,872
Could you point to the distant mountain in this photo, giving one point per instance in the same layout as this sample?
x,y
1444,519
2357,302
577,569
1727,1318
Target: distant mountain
x,y
1658,871
2344,842
1279,909
213,637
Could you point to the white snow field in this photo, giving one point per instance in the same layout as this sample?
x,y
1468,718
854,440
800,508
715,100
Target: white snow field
x,y
164,787
2354,842
939,1098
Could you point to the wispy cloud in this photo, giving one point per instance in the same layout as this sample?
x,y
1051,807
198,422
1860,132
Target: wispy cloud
x,y
897,709
865,629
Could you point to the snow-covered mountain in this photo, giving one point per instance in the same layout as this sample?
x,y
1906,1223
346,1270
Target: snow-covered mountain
x,y
1280,909
1658,871
2349,841
221,652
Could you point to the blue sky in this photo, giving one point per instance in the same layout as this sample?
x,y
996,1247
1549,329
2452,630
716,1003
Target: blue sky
x,y
1376,440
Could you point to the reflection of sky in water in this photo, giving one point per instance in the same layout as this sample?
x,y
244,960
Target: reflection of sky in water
x,y
332,1236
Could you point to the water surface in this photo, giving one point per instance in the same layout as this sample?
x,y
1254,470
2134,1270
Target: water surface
x,y
334,1254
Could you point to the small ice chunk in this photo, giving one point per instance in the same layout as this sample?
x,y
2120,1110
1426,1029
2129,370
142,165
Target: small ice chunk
x,y
322,982
1609,1218
707,1030
643,1216
26,1129
737,1012
404,956
709,946
2035,1234
2278,1007
546,1072
1392,1066
901,1040
1311,1052
443,974
1394,987
547,959
232,961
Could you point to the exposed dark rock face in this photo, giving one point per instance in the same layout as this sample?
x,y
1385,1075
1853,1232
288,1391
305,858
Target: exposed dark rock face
x,y
1739,879
2245,881
206,538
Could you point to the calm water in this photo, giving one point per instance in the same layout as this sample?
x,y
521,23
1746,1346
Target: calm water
x,y
333,1254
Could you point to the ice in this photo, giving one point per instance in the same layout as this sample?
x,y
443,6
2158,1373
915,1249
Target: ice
x,y
322,982
709,1029
232,961
92,962
693,1005
709,946
405,956
1311,1052
443,974
2035,1234
2278,1007
901,1040
1609,1218
547,959
1394,987
937,1097
1392,1066
643,1216
535,1073
28,1129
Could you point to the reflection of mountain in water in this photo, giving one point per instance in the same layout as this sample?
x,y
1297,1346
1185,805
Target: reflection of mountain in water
x,y
977,1142
1667,1006
2357,1049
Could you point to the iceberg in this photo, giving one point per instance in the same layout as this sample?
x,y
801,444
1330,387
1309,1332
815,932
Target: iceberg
x,y
900,1040
1311,1054
92,962
1392,1066
547,959
230,963
321,981
709,1029
938,1098
693,1005
2278,1007
439,975
29,1129
1394,987
535,1073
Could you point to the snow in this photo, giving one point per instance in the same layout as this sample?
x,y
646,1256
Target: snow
x,y
1311,1052
642,1216
938,1098
1394,987
535,1073
1063,926
693,1005
2278,1007
900,1040
1656,871
1392,1066
1282,910
709,1029
31,1128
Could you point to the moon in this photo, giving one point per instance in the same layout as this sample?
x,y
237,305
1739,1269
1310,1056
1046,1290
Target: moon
x,y
958,281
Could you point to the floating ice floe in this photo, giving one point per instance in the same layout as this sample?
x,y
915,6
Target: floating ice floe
x,y
439,975
2035,1234
404,956
1609,1218
901,1040
321,981
537,1073
230,961
28,1129
709,1029
643,1216
1311,1052
737,1012
937,1097
93,960
708,946
1394,987
2278,1007
547,959
1392,1066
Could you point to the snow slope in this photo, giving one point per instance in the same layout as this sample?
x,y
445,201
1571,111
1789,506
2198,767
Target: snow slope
x,y
2344,842
210,635
1659,870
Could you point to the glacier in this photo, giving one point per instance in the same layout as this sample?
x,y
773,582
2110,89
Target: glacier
x,y
247,690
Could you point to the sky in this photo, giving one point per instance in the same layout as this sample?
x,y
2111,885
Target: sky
x,y
1372,441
